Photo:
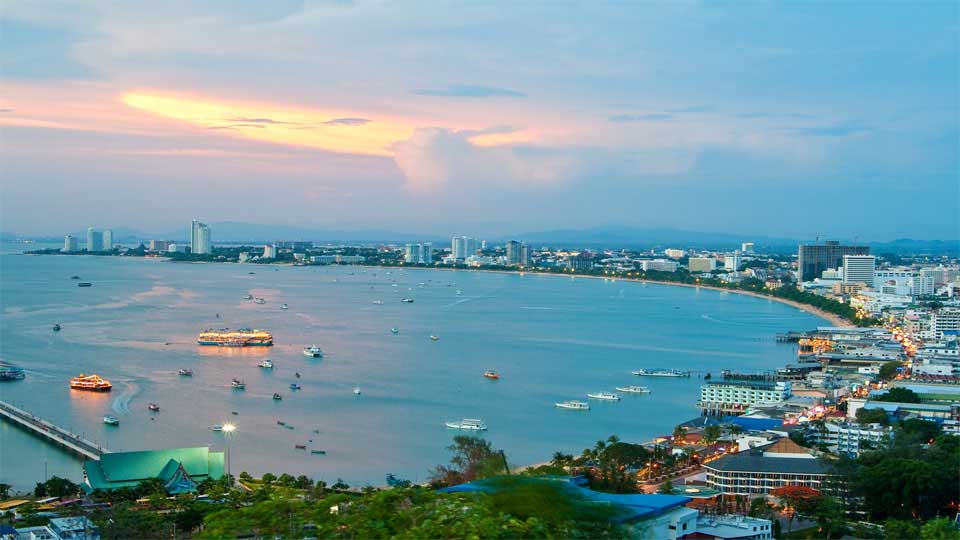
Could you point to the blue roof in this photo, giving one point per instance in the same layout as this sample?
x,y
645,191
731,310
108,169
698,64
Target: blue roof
x,y
753,424
638,505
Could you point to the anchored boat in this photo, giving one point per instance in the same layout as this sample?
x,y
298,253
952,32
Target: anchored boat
x,y
471,424
111,420
661,373
491,374
266,364
312,351
573,405
90,383
607,396
633,389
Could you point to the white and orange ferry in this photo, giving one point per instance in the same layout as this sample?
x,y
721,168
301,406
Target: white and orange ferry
x,y
92,383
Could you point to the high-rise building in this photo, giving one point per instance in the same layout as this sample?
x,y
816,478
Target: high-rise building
x,y
702,264
514,249
199,238
418,253
108,239
859,269
462,247
732,262
69,243
746,247
813,259
269,251
526,258
94,240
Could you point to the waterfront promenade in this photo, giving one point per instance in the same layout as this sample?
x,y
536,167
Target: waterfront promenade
x,y
51,432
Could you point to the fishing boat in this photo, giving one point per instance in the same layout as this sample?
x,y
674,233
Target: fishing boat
x,y
248,297
394,330
633,389
407,300
111,420
660,373
491,374
56,327
607,396
91,383
185,372
266,364
284,306
434,338
259,301
312,351
471,424
319,452
294,386
84,284
573,405
356,390
238,384
216,427
153,407
277,397
300,446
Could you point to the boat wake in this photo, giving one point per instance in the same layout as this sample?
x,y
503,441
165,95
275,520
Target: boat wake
x,y
121,404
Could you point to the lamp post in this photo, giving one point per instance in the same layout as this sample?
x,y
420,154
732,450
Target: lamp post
x,y
228,429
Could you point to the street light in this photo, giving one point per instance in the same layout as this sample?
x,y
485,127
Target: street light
x,y
228,429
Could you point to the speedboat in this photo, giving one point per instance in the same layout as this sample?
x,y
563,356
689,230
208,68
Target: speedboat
x,y
312,351
216,427
259,301
111,420
300,446
633,389
56,327
356,390
283,306
471,424
394,330
608,396
238,384
294,386
574,405
266,364
185,372
319,452
407,300
84,284
434,338
277,397
248,297
153,407
491,374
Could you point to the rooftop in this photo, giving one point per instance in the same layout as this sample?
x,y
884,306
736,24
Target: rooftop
x,y
751,461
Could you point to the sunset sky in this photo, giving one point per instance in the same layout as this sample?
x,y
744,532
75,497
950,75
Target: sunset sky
x,y
833,119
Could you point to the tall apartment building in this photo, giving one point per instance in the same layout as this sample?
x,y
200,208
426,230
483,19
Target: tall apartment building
x,y
418,253
70,243
269,251
813,259
199,238
462,247
746,247
94,240
107,239
513,253
945,320
859,269
732,262
526,256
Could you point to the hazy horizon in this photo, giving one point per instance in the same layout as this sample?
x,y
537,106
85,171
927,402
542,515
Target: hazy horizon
x,y
797,120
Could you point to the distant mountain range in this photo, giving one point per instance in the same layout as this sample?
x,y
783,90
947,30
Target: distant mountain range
x,y
611,237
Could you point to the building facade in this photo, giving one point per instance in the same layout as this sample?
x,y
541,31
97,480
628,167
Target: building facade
x,y
849,438
701,264
70,244
199,238
94,240
859,269
758,471
813,259
658,265
108,239
735,397
418,253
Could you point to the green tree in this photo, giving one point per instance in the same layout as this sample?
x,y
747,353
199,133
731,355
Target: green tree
x,y
900,529
829,516
268,478
888,371
4,491
899,395
667,488
939,529
711,434
286,480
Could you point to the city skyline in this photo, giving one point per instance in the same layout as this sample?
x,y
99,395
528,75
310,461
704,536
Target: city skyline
x,y
775,117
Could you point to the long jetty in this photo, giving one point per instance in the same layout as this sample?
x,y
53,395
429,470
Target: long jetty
x,y
51,432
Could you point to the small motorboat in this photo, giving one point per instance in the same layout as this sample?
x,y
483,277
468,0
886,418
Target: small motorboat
x,y
394,330
281,423
251,273
235,413
238,384
313,351
294,386
491,374
356,390
248,297
153,407
284,306
434,338
259,301
216,427
56,327
320,452
266,364
297,374
707,377
407,300
300,446
74,277
185,372
277,397
111,420
84,284
287,426
378,302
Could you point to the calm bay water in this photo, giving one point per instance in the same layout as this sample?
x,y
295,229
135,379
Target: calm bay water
x,y
551,338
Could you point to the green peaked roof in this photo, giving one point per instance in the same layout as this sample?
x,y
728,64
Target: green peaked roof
x,y
176,467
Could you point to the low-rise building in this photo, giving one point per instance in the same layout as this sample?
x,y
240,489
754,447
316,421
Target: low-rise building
x,y
760,470
701,264
731,527
658,265
849,438
180,469
735,397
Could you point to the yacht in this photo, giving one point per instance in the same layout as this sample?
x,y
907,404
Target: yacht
x,y
312,351
491,374
266,364
111,420
471,424
277,397
284,306
574,405
633,389
238,384
185,372
608,396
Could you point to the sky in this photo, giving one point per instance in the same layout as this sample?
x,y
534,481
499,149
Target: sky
x,y
790,119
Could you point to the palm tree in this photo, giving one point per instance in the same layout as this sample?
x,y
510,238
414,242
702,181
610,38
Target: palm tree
x,y
613,439
678,432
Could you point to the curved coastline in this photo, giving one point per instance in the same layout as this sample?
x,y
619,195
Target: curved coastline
x,y
835,320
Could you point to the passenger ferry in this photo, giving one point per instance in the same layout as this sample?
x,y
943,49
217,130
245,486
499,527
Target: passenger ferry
x,y
661,373
574,405
92,383
491,374
312,351
633,389
111,420
266,364
607,396
245,337
10,373
471,424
